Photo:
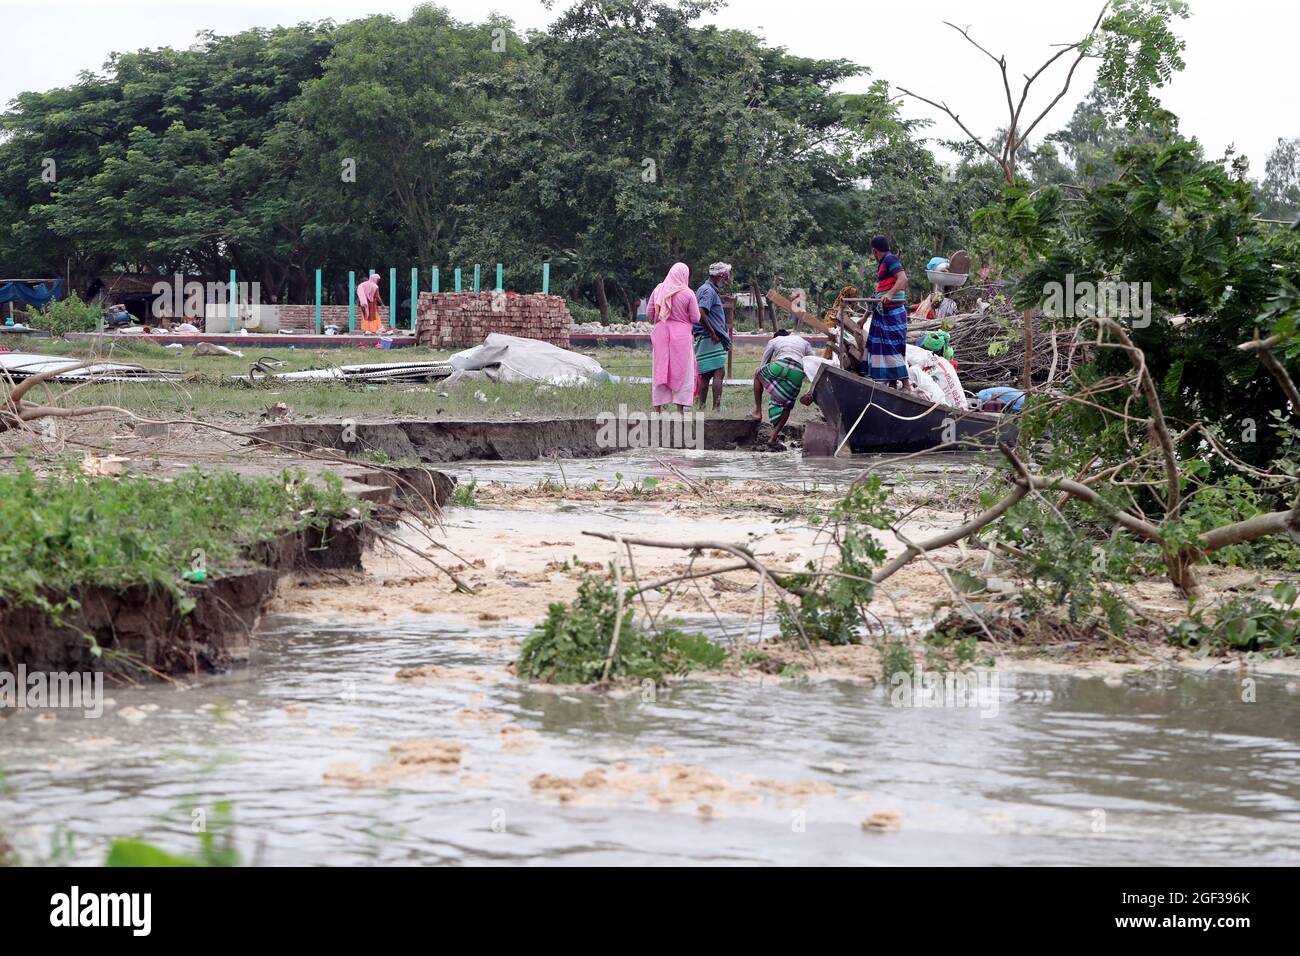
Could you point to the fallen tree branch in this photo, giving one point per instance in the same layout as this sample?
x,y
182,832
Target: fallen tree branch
x,y
690,576
981,520
461,586
1159,428
740,551
1258,526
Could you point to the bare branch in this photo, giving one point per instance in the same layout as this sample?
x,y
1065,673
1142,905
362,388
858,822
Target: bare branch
x,y
1001,61
1259,526
951,537
1159,429
957,119
1065,88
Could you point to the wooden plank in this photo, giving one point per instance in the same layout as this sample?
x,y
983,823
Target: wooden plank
x,y
807,319
777,298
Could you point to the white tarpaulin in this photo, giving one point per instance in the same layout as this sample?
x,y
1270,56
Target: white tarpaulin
x,y
508,358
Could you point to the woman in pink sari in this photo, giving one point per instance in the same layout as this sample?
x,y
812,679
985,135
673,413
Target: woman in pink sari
x,y
673,309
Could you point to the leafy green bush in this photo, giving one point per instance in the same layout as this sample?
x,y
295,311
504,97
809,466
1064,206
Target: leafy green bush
x,y
1246,624
1069,563
946,651
464,494
68,315
584,314
571,645
73,530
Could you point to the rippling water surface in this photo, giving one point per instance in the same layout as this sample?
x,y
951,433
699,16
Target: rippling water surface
x,y
1068,770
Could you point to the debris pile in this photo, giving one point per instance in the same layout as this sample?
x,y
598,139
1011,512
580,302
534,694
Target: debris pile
x,y
989,349
614,328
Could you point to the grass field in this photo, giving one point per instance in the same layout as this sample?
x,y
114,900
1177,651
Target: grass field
x,y
216,388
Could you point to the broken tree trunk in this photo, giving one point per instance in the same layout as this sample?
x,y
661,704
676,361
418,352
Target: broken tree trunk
x,y
602,301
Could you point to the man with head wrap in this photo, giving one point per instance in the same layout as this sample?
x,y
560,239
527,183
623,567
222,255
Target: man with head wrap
x,y
711,340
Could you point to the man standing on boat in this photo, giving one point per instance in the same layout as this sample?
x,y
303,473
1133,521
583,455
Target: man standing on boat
x,y
711,341
886,358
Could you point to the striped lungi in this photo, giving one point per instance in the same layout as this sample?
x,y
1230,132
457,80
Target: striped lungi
x,y
886,358
709,355
782,381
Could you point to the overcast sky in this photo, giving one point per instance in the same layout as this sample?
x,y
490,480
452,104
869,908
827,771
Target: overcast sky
x,y
1237,89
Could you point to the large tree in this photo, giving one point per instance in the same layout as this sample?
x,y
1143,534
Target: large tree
x,y
139,155
627,136
1186,227
1279,190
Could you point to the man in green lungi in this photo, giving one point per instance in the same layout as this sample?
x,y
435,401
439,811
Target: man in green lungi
x,y
711,340
781,375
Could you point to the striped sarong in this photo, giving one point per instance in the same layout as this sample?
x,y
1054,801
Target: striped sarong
x,y
886,358
709,355
782,381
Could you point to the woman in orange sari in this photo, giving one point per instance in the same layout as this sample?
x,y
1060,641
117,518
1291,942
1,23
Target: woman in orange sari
x,y
368,297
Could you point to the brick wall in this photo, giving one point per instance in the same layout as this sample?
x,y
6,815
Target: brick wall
x,y
462,319
302,318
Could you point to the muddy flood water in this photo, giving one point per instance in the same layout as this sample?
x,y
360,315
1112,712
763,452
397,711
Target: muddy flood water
x,y
787,467
1066,771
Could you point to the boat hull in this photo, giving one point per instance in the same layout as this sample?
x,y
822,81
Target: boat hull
x,y
885,419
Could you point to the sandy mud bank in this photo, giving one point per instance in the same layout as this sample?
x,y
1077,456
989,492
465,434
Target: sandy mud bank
x,y
524,548
138,631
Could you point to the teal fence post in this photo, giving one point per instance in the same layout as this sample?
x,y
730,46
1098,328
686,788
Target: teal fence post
x,y
415,292
476,284
392,297
231,311
352,300
435,278
318,302
500,287
457,280
546,278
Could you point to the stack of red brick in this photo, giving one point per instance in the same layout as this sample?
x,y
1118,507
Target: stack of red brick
x,y
462,319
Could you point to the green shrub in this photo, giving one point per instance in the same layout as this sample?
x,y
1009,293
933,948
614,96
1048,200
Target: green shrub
x,y
68,315
1070,559
464,494
584,314
571,645
1246,624
831,607
1234,499
216,847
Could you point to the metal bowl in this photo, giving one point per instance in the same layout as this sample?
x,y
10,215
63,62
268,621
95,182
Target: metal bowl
x,y
946,280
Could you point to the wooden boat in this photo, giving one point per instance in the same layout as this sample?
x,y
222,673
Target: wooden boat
x,y
889,420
